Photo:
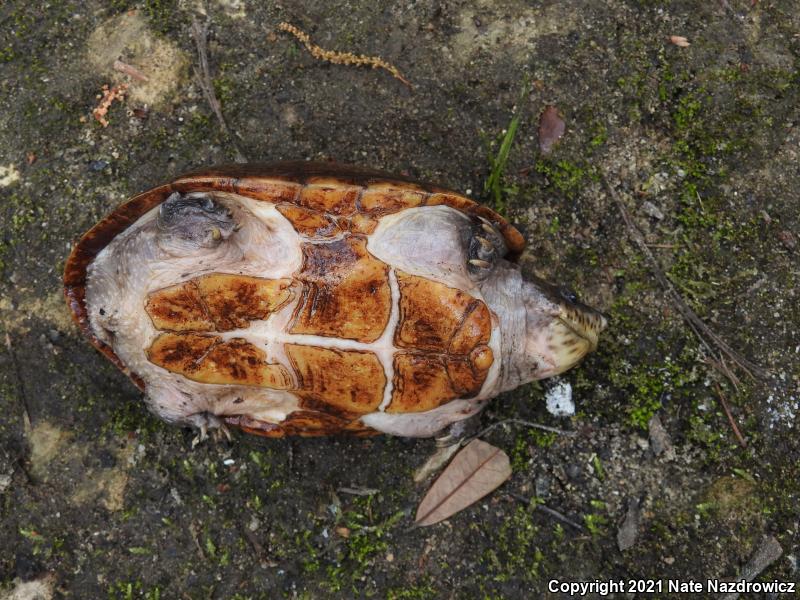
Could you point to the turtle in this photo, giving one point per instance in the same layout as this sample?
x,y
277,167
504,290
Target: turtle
x,y
301,298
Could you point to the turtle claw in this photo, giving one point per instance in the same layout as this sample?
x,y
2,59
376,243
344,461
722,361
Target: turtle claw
x,y
486,245
205,423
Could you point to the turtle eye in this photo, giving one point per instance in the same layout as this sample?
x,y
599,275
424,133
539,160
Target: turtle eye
x,y
568,295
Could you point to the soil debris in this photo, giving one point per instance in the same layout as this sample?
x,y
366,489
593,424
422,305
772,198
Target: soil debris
x,y
342,58
629,530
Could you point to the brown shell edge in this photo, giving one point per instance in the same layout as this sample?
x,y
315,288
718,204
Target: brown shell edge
x,y
226,178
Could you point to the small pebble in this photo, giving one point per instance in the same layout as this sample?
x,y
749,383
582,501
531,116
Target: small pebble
x,y
542,486
573,471
559,400
651,210
97,165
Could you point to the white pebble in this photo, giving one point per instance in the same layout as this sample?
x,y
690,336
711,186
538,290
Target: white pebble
x,y
559,400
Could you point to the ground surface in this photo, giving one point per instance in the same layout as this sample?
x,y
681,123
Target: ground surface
x,y
99,499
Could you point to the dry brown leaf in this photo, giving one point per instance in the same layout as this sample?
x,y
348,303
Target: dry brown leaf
x,y
475,471
551,128
679,41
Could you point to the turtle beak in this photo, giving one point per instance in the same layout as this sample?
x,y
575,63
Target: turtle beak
x,y
582,323
565,331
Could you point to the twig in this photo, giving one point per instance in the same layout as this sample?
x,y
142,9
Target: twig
x,y
358,491
526,424
723,368
261,554
727,410
200,34
545,509
196,540
23,396
700,329
342,58
130,71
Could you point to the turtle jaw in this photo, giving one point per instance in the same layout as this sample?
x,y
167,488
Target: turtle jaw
x,y
571,336
560,330
583,322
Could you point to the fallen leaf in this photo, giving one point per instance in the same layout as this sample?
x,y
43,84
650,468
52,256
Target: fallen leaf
x,y
551,128
475,471
679,41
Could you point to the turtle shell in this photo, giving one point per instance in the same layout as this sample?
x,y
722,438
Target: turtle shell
x,y
343,302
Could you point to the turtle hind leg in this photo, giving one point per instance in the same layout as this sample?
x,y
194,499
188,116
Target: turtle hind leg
x,y
485,246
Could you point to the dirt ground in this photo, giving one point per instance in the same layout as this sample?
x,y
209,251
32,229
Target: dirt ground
x,y
100,499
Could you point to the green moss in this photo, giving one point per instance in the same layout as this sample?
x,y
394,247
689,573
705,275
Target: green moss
x,y
417,591
162,14
648,382
7,54
567,177
128,590
515,554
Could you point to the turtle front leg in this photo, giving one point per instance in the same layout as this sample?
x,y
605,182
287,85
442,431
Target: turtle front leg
x,y
205,422
484,247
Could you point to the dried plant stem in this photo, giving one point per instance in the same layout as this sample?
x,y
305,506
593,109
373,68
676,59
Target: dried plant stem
x,y
525,424
200,34
23,397
710,340
550,511
130,71
342,58
737,433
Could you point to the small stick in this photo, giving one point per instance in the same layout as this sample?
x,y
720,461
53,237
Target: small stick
x,y
358,491
723,368
196,540
261,554
130,71
342,58
727,410
526,424
23,397
701,330
550,511
200,33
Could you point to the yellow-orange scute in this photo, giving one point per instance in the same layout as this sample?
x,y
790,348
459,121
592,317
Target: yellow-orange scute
x,y
216,302
345,293
444,334
209,359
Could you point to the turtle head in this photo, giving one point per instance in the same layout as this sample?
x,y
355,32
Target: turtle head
x,y
560,329
193,221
